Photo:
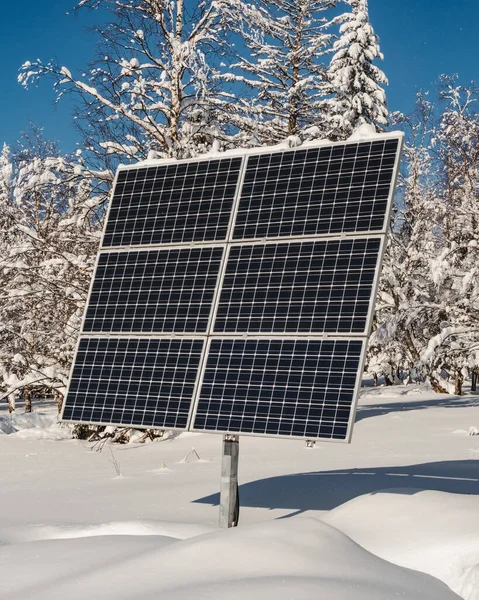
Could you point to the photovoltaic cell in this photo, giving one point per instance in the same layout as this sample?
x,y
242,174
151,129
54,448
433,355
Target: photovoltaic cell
x,y
326,190
153,291
279,387
174,203
140,382
298,287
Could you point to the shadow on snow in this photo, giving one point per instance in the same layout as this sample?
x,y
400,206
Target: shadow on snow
x,y
326,490
376,410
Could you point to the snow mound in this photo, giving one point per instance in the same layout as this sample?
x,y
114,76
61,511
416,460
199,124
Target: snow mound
x,y
64,531
284,559
34,425
364,131
434,532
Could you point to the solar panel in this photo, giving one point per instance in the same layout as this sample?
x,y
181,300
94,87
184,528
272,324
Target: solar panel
x,y
298,287
279,387
131,381
249,310
153,291
327,190
174,203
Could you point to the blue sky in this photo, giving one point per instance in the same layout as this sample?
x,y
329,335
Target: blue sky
x,y
420,39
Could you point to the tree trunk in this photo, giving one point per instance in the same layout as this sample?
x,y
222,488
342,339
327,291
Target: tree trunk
x,y
474,380
436,386
458,384
59,400
398,374
28,399
410,346
375,379
11,403
388,380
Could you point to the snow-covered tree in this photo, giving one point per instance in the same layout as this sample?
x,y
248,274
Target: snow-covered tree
x,y
358,95
45,273
428,304
151,86
281,65
7,238
456,268
406,303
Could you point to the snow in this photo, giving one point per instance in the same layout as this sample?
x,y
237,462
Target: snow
x,y
335,521
433,532
115,148
36,425
311,553
363,133
280,559
66,72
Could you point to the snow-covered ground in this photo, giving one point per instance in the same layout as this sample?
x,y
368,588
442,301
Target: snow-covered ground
x,y
394,514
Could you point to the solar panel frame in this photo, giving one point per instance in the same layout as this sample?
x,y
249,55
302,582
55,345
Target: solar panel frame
x,y
302,240
304,148
132,338
352,413
209,336
167,163
187,252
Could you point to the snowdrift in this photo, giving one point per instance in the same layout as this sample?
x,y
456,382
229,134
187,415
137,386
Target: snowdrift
x,y
296,558
431,531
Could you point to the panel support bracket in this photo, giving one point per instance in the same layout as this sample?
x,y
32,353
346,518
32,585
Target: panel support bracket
x,y
229,496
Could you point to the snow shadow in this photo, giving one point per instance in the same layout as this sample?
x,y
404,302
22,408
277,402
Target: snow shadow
x,y
377,410
328,489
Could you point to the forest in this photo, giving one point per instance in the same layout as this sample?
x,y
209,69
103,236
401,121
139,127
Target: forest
x,y
178,79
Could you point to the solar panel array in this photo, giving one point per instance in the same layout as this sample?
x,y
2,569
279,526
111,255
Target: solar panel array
x,y
235,294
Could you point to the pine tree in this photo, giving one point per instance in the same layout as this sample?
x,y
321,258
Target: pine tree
x,y
356,83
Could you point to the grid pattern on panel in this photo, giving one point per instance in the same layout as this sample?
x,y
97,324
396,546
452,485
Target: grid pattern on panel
x,y
142,382
327,190
174,203
298,287
279,387
153,291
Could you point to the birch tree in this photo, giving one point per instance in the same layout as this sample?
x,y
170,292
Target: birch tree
x,y
427,309
151,87
7,238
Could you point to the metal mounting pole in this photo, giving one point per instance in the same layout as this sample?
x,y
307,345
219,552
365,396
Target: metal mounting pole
x,y
229,497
